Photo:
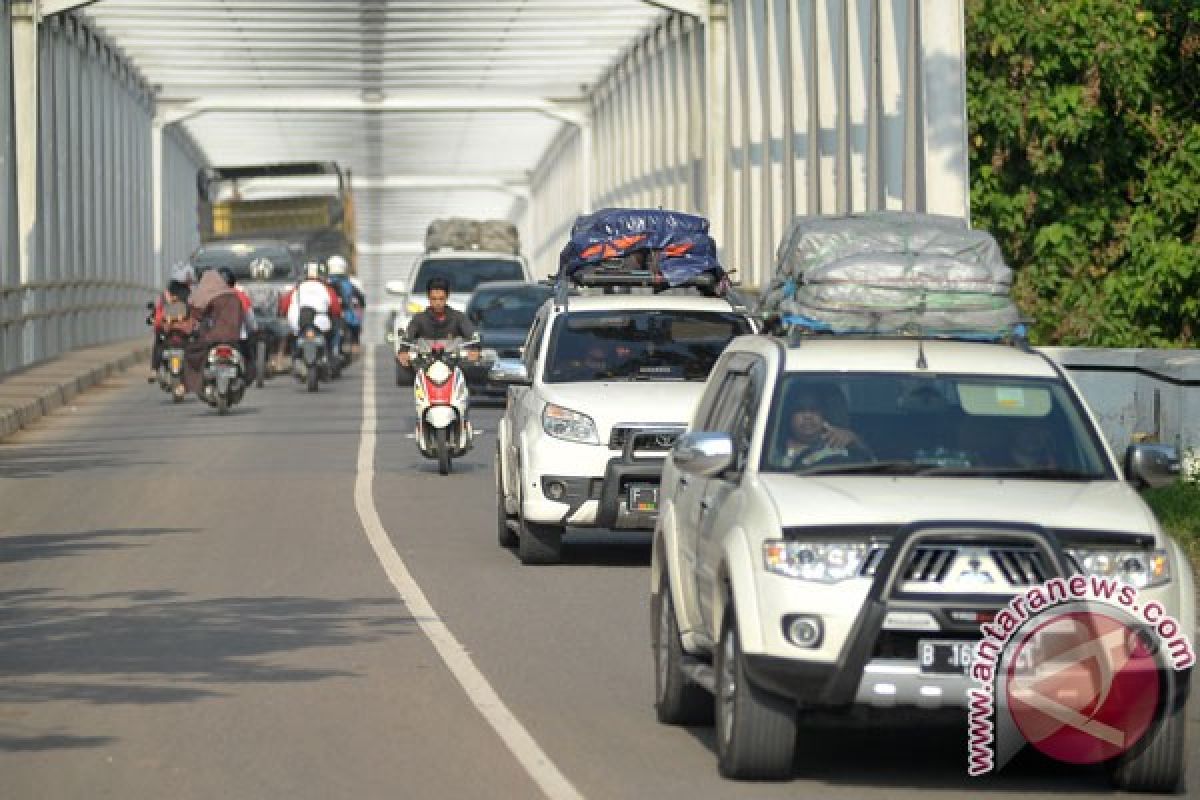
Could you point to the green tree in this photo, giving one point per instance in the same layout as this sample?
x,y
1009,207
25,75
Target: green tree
x,y
1085,159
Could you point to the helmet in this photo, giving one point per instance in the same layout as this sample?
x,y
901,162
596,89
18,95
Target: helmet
x,y
183,272
312,271
337,265
227,274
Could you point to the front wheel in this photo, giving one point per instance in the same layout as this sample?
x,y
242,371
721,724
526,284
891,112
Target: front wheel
x,y
260,363
1159,765
539,543
756,730
442,442
677,701
314,376
504,534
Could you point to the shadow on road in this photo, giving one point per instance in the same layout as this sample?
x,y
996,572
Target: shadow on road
x,y
37,546
161,646
46,462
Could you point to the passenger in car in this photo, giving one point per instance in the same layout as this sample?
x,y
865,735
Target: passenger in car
x,y
810,438
1033,447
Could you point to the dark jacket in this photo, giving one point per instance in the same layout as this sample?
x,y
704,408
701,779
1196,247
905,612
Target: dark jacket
x,y
426,326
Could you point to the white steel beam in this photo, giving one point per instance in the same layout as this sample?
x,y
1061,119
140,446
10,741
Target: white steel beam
x,y
716,61
692,8
172,111
24,23
49,7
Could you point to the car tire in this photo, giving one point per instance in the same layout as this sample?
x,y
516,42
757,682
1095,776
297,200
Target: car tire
x,y
538,543
677,700
755,729
1160,765
504,532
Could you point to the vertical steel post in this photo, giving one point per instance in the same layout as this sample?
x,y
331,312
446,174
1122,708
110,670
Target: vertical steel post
x,y
716,58
24,22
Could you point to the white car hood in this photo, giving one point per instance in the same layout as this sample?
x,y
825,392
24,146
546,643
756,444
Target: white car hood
x,y
623,402
862,499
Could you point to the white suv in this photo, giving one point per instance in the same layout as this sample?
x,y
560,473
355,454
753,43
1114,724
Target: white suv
x,y
844,513
605,385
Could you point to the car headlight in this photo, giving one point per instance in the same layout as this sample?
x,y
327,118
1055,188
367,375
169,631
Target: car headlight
x,y
563,423
489,356
824,562
1141,569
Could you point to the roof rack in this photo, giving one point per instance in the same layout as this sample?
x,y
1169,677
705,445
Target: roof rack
x,y
624,281
796,331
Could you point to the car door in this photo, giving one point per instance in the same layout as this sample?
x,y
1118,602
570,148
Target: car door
x,y
520,399
714,493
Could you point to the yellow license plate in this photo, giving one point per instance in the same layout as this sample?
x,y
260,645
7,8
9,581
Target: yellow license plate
x,y
175,364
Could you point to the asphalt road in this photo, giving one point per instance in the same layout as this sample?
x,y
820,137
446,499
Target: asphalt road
x,y
190,607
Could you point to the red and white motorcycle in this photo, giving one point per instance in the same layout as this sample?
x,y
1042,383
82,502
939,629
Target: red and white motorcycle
x,y
441,397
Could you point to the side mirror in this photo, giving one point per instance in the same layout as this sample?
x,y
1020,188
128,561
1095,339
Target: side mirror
x,y
1151,465
509,371
397,287
702,453
391,338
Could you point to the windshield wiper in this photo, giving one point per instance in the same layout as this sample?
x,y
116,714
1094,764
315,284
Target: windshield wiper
x,y
1035,473
870,468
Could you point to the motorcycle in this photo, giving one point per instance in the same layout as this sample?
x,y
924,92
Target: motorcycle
x,y
310,361
171,341
224,377
441,398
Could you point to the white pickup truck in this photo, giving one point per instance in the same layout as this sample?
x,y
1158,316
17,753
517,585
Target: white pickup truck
x,y
844,513
605,385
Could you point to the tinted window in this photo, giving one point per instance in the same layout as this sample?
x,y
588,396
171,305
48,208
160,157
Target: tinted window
x,y
465,274
261,262
511,307
639,345
936,424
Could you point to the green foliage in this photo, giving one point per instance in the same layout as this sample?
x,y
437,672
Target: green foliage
x,y
1085,161
1178,510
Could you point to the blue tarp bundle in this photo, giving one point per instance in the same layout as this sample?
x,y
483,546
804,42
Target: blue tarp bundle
x,y
681,241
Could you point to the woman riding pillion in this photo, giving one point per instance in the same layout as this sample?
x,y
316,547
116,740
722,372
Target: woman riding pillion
x,y
219,317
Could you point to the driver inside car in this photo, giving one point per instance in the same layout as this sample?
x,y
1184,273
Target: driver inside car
x,y
810,437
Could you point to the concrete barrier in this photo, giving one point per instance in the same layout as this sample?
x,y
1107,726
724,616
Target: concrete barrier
x,y
33,393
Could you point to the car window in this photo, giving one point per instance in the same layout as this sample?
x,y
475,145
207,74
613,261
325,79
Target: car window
x,y
727,410
650,345
932,424
533,343
247,261
746,414
464,274
512,307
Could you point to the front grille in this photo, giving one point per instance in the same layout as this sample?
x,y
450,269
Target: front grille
x,y
655,438
1020,566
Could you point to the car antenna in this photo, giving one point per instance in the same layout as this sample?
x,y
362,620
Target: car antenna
x,y
921,362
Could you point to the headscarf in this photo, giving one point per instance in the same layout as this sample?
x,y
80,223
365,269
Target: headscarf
x,y
211,286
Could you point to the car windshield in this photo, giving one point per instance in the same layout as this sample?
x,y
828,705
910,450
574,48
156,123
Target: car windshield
x,y
509,307
248,261
639,345
961,425
464,274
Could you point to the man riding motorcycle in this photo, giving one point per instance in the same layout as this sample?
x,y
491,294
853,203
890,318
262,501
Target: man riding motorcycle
x,y
354,302
249,323
177,291
438,321
314,293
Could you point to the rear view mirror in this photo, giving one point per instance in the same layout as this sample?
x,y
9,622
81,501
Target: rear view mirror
x,y
397,287
1151,465
509,371
705,454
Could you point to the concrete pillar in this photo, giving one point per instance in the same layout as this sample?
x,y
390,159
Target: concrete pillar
x,y
716,61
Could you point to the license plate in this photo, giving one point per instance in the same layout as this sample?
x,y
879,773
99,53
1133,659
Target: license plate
x,y
954,658
643,498
947,658
176,364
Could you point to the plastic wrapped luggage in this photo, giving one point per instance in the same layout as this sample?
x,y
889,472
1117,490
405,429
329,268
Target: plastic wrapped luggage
x,y
499,236
890,270
454,233
675,247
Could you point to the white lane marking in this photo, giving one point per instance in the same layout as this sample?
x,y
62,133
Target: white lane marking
x,y
510,730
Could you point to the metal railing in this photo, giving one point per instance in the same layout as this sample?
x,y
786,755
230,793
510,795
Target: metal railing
x,y
44,319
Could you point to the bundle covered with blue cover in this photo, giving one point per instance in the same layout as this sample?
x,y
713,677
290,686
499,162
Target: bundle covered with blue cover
x,y
674,246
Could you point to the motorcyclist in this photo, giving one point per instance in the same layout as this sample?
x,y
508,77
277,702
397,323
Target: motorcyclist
x,y
438,321
219,317
314,293
354,302
249,323
177,290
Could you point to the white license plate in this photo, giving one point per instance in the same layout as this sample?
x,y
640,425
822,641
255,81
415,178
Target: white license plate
x,y
948,657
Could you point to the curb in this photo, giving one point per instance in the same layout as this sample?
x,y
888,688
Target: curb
x,y
30,395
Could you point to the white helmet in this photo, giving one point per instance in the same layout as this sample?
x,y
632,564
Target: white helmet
x,y
337,265
183,273
312,271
